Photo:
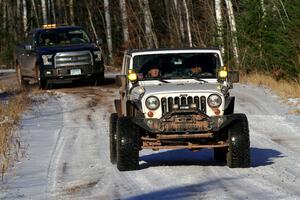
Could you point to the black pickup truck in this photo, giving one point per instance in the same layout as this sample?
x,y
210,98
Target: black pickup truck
x,y
58,54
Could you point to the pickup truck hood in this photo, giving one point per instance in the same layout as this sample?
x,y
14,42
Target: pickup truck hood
x,y
182,86
79,47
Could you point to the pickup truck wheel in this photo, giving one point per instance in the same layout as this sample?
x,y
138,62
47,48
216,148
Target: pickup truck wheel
x,y
99,80
127,145
20,79
43,84
220,154
238,155
113,137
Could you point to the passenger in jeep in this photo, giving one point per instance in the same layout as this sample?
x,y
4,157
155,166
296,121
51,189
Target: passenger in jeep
x,y
195,70
154,72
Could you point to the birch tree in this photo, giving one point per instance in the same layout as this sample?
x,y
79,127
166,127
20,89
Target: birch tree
x,y
124,21
108,29
233,31
25,17
44,11
219,22
187,16
35,13
179,16
71,10
150,35
53,11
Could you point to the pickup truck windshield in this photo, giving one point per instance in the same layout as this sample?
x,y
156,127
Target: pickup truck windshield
x,y
61,37
177,65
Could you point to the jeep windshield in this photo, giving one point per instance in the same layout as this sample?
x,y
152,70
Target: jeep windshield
x,y
176,65
62,37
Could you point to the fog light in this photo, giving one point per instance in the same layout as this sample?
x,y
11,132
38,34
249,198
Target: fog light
x,y
150,123
48,72
150,114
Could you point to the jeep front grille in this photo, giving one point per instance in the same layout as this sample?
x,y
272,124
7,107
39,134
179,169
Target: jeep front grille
x,y
76,58
167,103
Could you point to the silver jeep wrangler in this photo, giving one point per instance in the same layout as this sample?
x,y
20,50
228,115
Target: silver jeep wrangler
x,y
173,99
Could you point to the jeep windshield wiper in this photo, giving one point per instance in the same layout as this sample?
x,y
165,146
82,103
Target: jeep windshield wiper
x,y
199,79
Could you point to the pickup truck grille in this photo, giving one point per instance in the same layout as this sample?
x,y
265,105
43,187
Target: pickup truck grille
x,y
75,58
183,103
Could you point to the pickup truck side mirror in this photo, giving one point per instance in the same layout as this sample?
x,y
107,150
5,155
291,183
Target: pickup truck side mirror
x,y
28,47
233,77
99,41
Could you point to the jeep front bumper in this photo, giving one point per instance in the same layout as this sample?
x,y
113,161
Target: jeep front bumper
x,y
187,121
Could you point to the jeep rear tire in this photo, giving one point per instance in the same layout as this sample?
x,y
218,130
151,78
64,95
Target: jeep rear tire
x,y
127,145
238,155
113,137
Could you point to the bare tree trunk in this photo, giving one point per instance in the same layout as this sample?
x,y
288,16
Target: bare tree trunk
x,y
179,14
35,13
170,29
90,19
53,11
233,32
4,14
150,35
108,30
44,11
219,25
124,21
18,13
187,16
25,17
71,10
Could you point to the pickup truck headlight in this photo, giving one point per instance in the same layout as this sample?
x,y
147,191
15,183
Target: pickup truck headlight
x,y
97,55
152,103
47,59
214,100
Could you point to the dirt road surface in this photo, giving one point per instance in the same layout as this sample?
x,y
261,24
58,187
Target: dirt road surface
x,y
66,154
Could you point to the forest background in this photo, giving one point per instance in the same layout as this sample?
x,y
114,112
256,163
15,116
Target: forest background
x,y
254,35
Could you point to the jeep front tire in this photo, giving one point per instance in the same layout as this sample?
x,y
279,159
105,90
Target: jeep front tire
x,y
238,155
113,137
127,144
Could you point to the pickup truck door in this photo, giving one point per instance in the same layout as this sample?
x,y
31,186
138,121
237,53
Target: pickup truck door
x,y
28,57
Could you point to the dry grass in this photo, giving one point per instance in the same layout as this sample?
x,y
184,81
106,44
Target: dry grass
x,y
282,88
9,117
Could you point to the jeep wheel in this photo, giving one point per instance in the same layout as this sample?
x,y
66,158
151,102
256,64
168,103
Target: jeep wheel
x,y
238,155
127,145
220,154
113,137
42,82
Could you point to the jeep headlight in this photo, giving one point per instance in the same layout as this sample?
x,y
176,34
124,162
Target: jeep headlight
x,y
47,59
137,92
214,100
152,103
97,55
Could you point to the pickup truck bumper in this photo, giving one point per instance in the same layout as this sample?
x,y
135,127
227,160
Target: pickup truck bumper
x,y
70,73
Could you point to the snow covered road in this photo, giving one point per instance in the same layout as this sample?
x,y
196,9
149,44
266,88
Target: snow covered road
x,y
66,154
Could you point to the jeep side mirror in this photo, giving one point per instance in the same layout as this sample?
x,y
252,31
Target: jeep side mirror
x,y
121,80
233,77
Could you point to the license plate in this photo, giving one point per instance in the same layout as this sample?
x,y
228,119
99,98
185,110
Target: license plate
x,y
74,72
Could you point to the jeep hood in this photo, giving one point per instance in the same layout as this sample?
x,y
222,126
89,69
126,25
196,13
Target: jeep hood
x,y
188,86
